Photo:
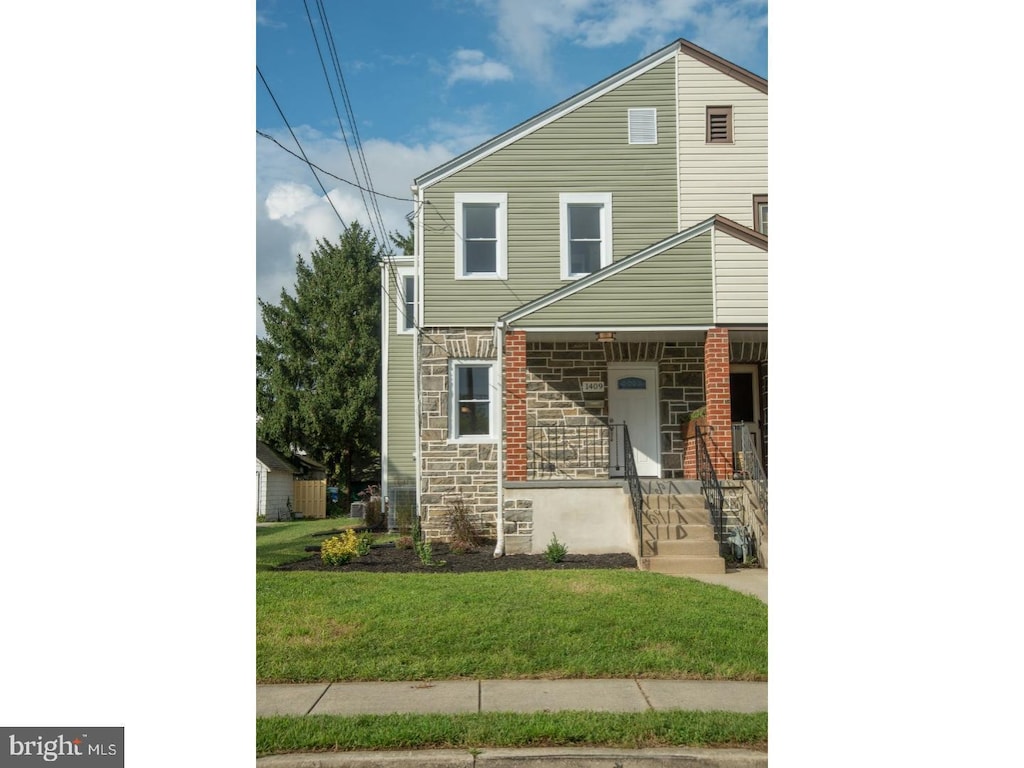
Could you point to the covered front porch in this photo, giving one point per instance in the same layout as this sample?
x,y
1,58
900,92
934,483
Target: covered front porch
x,y
574,399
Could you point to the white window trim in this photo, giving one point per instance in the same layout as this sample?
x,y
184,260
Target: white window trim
x,y
565,199
400,301
501,257
453,401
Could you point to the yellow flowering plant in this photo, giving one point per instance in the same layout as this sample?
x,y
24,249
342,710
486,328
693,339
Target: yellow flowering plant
x,y
338,550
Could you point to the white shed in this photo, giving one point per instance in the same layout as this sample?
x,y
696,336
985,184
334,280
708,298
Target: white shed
x,y
274,483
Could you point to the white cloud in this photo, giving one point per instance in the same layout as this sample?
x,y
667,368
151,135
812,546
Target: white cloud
x,y
530,29
467,64
292,212
287,198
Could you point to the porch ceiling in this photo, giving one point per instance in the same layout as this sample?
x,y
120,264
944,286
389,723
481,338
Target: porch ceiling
x,y
688,334
679,334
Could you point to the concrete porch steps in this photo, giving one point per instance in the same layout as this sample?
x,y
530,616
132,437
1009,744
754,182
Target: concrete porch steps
x,y
677,535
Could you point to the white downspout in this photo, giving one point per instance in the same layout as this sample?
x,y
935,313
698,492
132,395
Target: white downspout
x,y
418,251
499,341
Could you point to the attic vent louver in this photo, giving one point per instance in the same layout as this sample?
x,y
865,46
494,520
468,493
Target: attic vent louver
x,y
719,129
643,126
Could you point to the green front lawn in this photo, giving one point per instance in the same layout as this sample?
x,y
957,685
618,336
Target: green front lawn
x,y
316,626
508,730
280,543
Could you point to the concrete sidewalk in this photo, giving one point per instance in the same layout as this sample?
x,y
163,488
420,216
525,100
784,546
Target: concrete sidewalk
x,y
562,757
472,696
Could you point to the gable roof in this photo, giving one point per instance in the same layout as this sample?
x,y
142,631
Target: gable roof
x,y
605,273
308,465
273,460
589,94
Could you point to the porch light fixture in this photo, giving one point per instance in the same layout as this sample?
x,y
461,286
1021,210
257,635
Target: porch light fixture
x,y
606,337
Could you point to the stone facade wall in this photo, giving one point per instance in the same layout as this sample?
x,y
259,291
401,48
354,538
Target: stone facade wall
x,y
558,411
555,401
555,372
518,519
450,472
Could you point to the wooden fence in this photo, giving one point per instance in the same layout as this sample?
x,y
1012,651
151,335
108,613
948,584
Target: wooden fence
x,y
310,499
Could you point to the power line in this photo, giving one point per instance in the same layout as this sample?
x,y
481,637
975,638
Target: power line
x,y
334,176
299,145
311,167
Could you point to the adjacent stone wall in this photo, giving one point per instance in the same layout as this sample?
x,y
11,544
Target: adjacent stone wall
x,y
453,471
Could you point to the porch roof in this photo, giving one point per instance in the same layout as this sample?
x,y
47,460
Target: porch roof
x,y
668,285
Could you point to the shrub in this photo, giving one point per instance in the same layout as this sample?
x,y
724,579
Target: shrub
x,y
404,518
556,551
376,515
403,542
338,550
463,534
363,543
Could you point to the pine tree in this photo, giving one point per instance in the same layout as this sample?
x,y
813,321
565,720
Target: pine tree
x,y
318,367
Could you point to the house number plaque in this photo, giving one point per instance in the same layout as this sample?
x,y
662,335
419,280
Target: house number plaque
x,y
593,386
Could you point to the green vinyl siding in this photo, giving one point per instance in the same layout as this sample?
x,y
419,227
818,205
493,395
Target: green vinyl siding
x,y
671,288
400,440
586,150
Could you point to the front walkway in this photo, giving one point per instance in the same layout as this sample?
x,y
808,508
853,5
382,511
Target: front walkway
x,y
750,581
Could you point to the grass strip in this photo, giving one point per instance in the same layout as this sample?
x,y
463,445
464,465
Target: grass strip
x,y
315,626
317,733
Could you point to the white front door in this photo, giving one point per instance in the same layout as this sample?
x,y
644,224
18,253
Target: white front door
x,y
633,400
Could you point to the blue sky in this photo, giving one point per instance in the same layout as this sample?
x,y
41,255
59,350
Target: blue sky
x,y
428,80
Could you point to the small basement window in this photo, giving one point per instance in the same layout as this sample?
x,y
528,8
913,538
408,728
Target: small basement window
x,y
719,125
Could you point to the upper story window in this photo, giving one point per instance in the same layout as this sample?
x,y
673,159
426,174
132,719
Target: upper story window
x,y
643,125
719,125
585,232
473,407
761,214
481,226
405,300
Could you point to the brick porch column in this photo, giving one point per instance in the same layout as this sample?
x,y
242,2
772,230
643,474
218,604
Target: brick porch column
x,y
515,405
716,389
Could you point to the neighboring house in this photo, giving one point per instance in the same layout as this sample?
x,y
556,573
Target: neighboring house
x,y
274,483
600,268
289,486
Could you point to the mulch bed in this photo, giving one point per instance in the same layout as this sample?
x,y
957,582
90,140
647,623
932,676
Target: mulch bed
x,y
386,558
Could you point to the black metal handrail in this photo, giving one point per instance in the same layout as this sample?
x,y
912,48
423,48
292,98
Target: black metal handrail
x,y
750,467
565,450
713,494
635,492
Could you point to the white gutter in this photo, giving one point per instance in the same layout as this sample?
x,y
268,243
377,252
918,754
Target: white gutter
x,y
499,342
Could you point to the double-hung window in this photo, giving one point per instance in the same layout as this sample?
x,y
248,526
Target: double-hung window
x,y
473,405
405,300
585,232
481,226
